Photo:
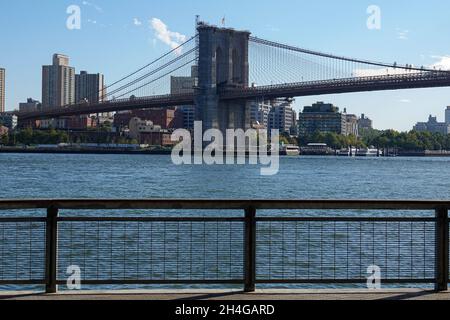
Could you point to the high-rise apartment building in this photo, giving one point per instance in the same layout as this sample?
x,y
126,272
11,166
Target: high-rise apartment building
x,y
282,117
447,115
181,85
89,87
2,89
58,83
259,113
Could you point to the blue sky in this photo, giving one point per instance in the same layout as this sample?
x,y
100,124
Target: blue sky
x,y
116,37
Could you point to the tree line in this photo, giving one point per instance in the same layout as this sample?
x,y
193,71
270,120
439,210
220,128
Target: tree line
x,y
407,141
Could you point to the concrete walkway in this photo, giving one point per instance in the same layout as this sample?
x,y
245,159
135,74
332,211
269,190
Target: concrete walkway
x,y
232,295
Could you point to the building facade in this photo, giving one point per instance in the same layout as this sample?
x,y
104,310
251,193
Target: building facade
x,y
259,113
58,83
447,115
2,89
364,123
89,87
432,126
30,106
321,117
165,118
186,116
146,132
282,116
351,125
8,120
180,85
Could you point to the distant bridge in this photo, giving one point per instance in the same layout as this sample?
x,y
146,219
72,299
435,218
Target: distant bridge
x,y
229,68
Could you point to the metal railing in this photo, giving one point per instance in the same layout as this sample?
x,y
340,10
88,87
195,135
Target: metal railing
x,y
248,249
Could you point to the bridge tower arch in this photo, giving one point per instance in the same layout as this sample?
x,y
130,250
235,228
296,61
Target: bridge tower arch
x,y
223,63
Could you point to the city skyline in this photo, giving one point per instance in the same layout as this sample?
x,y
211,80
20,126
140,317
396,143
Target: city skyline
x,y
146,36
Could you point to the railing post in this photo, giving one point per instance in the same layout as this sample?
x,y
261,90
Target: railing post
x,y
250,250
51,250
442,247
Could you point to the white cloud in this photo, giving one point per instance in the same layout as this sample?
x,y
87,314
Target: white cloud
x,y
405,100
137,22
443,63
402,34
93,5
272,28
162,32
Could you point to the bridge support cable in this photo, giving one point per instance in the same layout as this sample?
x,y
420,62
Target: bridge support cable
x,y
140,74
273,63
154,78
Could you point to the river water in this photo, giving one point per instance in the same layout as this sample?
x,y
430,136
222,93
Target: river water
x,y
150,176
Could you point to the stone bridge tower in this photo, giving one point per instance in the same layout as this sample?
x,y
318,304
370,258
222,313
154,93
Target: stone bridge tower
x,y
223,63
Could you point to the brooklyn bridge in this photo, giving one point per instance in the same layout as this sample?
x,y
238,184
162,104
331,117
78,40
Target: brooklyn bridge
x,y
231,68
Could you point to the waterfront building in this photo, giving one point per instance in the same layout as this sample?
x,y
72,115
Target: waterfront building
x,y
75,123
351,124
2,89
89,87
185,115
432,126
59,124
165,118
321,117
364,123
146,132
58,83
447,115
282,116
259,113
8,120
29,106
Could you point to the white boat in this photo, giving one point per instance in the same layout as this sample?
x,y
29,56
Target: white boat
x,y
349,152
369,152
290,150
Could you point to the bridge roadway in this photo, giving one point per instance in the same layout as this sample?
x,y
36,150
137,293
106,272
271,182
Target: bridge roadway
x,y
290,90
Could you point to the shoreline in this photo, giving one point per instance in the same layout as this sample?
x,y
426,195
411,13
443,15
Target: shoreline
x,y
428,154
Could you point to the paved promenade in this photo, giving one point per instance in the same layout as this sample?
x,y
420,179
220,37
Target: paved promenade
x,y
233,295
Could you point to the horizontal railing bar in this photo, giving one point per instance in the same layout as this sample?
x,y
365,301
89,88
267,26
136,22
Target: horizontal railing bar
x,y
342,281
26,219
136,282
22,282
347,219
219,219
234,281
204,204
146,219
